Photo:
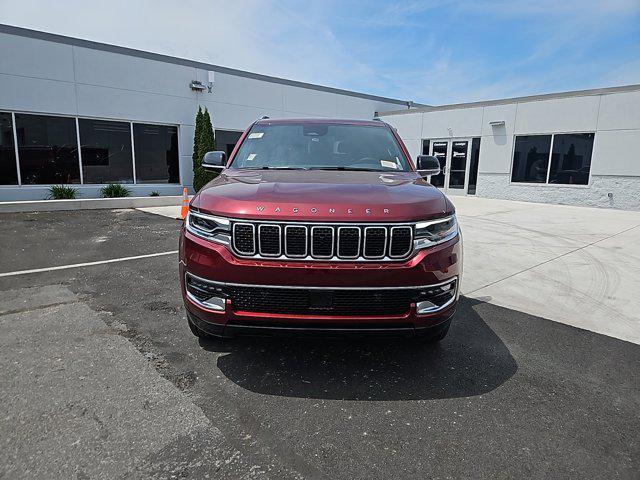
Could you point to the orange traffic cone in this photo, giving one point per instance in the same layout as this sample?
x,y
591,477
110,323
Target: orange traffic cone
x,y
185,204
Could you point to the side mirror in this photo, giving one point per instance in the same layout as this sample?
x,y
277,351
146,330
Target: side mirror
x,y
215,161
428,165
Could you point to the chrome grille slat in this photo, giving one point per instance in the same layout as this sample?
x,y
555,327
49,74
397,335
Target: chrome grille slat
x,y
295,241
349,242
401,241
322,242
372,247
269,241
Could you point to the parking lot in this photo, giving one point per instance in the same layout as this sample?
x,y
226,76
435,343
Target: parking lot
x,y
538,378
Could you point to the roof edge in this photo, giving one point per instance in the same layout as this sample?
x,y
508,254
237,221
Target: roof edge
x,y
527,98
105,47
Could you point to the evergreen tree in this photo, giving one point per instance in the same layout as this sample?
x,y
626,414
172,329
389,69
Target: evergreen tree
x,y
197,159
205,141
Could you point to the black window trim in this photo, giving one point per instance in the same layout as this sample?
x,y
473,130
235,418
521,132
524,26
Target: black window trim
x,y
546,183
77,118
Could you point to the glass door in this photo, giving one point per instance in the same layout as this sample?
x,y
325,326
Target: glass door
x,y
453,156
440,150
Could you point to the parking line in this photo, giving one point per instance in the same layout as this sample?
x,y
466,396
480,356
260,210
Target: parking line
x,y
86,264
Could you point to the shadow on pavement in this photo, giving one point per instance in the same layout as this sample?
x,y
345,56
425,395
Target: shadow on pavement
x,y
471,360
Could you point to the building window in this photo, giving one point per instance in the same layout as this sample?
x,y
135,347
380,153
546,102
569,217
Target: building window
x,y
531,158
156,148
563,159
473,169
106,151
571,158
48,149
8,171
226,140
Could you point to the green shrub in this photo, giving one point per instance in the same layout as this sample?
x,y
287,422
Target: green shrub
x,y
60,192
114,190
204,141
155,193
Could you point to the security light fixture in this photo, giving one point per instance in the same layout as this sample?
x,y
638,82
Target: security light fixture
x,y
497,123
198,86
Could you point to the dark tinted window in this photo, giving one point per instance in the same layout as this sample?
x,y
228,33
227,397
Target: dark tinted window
x,y
226,140
48,149
473,169
156,153
8,171
106,151
571,158
531,158
321,145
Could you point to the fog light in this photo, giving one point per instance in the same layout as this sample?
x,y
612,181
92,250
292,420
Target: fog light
x,y
212,303
437,298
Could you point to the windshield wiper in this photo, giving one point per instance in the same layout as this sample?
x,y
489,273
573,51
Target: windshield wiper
x,y
354,169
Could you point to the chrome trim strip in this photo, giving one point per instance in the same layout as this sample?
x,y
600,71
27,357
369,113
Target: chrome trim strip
x,y
306,241
299,287
333,237
253,233
345,257
210,306
384,247
410,242
437,308
279,240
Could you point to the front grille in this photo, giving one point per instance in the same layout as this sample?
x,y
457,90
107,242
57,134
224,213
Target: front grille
x,y
401,238
295,241
243,238
348,242
269,240
375,242
361,302
322,242
298,301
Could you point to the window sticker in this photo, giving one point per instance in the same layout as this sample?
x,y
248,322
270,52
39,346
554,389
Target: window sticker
x,y
388,164
256,135
251,156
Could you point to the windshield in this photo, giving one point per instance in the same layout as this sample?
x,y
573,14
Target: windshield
x,y
320,146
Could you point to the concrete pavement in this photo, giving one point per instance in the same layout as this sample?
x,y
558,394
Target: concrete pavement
x,y
575,265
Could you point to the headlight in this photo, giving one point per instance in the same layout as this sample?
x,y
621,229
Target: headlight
x,y
209,227
437,231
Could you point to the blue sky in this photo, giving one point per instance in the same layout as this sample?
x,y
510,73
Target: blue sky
x,y
432,51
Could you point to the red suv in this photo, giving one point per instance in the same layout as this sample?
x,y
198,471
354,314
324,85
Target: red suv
x,y
320,226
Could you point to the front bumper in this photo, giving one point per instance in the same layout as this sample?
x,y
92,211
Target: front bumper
x,y
270,297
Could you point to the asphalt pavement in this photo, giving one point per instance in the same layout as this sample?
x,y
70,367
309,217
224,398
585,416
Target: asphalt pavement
x,y
101,378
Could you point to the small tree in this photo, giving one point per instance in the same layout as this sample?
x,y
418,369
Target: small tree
x,y
204,141
197,160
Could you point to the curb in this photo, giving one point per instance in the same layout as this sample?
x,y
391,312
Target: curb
x,y
88,204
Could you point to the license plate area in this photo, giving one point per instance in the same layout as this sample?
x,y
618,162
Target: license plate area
x,y
320,299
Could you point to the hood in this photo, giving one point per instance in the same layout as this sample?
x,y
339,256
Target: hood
x,y
318,195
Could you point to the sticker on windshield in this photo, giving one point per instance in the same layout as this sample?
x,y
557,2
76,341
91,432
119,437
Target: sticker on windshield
x,y
388,164
256,135
251,156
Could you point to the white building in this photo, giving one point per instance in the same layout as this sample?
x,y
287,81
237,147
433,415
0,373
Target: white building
x,y
87,114
578,148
